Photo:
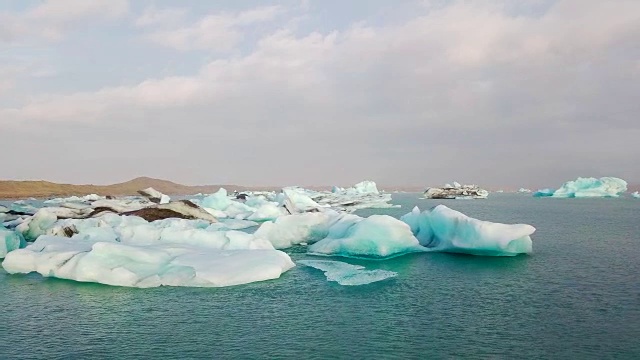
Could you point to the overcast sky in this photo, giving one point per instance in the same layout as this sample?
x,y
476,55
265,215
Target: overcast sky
x,y
495,92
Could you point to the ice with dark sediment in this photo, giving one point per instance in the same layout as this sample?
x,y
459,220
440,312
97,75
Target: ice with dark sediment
x,y
456,191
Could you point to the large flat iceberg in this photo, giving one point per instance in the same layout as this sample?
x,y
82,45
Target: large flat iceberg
x,y
115,263
445,230
587,187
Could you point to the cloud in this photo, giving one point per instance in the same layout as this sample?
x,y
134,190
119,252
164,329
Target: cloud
x,y
52,18
466,91
154,16
219,31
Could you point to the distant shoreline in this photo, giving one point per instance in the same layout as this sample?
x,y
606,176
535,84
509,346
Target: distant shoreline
x,y
10,189
16,189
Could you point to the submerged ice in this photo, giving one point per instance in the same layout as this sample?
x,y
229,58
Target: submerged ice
x,y
347,274
587,187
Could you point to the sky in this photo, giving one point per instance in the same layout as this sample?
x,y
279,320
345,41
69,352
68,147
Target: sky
x,y
503,93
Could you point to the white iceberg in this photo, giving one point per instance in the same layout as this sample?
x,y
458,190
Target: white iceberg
x,y
635,194
378,236
217,201
37,225
347,274
296,201
118,264
445,230
290,230
524,190
266,212
75,199
587,187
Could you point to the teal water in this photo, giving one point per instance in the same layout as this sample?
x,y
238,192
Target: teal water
x,y
576,296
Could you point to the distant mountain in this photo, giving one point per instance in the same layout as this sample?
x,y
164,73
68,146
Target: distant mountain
x,y
43,189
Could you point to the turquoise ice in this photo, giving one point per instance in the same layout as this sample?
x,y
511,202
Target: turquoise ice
x,y
347,274
445,230
9,241
587,187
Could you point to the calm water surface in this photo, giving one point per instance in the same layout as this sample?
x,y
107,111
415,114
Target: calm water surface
x,y
577,296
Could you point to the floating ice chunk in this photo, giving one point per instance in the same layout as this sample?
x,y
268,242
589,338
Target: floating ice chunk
x,y
635,194
9,241
297,202
347,274
66,213
231,224
258,201
290,230
544,192
378,236
22,207
217,201
366,187
113,263
37,225
75,199
588,187
456,191
446,230
268,211
155,196
523,190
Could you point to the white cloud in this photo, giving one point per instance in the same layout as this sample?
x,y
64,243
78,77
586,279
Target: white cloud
x,y
219,31
154,16
52,18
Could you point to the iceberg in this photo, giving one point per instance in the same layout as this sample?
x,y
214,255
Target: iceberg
x,y
9,241
155,196
442,229
347,274
296,201
523,190
378,236
587,187
635,194
217,201
37,225
75,199
113,263
290,230
544,192
456,191
364,187
266,212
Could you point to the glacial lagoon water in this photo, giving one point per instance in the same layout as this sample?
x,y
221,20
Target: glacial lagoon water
x,y
576,296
